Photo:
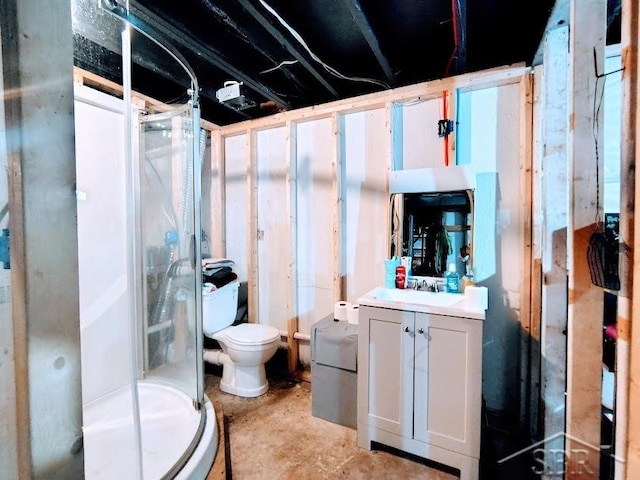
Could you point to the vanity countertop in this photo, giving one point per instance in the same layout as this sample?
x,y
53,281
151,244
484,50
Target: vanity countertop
x,y
441,303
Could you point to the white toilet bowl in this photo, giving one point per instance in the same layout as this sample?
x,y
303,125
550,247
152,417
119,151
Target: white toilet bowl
x,y
245,347
249,346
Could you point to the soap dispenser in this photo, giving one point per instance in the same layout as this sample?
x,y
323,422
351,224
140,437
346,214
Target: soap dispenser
x,y
452,280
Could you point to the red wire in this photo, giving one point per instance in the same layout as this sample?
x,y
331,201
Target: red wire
x,y
454,11
446,135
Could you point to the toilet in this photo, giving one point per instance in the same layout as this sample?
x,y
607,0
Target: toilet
x,y
245,347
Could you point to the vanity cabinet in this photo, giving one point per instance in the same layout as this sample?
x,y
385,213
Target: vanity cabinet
x,y
420,386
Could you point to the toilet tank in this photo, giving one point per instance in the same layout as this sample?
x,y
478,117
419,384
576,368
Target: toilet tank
x,y
219,308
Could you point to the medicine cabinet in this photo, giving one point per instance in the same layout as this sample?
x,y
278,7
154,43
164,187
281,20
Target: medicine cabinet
x,y
434,229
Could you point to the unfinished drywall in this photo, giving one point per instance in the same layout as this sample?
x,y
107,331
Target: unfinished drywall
x,y
338,206
499,152
236,208
367,211
490,145
273,234
416,124
315,141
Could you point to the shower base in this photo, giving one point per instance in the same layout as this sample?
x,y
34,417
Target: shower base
x,y
169,424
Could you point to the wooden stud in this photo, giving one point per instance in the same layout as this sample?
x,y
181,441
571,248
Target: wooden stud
x,y
525,155
252,215
217,197
337,173
627,423
292,297
584,342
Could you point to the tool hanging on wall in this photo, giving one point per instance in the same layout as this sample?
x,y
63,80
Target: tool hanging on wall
x,y
603,251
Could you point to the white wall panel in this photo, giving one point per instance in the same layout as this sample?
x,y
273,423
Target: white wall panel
x,y
236,211
105,291
315,207
367,200
421,145
273,227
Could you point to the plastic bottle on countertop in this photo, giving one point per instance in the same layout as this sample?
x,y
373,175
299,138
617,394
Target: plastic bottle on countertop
x,y
401,276
468,277
452,280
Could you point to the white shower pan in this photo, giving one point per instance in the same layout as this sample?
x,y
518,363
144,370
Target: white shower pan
x,y
169,425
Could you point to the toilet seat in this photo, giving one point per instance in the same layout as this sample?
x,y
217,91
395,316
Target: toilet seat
x,y
251,334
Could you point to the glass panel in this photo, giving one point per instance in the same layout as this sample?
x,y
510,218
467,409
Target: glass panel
x,y
8,434
167,236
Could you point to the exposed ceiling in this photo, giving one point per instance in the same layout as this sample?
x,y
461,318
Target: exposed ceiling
x,y
292,54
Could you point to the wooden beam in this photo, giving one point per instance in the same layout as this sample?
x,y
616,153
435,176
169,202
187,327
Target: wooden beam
x,y
461,36
218,196
292,298
363,24
627,435
526,189
284,41
187,42
584,343
421,91
253,237
339,232
553,77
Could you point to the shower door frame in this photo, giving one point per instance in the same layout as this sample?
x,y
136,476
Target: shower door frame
x,y
194,242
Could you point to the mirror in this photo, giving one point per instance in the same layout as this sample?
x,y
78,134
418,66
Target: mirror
x,y
434,229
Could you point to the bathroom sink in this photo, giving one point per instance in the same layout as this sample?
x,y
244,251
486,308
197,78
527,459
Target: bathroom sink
x,y
418,297
439,303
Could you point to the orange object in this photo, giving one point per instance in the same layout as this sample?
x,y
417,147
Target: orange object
x,y
445,112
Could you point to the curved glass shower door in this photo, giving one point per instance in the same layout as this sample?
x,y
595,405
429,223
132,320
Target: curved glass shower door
x,y
167,238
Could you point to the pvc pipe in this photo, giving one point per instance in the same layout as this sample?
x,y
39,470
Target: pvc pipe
x,y
296,335
218,357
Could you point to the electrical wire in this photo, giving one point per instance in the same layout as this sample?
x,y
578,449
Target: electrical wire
x,y
597,105
281,64
327,67
445,112
455,9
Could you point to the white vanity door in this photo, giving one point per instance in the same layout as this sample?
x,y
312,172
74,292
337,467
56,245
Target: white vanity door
x,y
448,397
387,337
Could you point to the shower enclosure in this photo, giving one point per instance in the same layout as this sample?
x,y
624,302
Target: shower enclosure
x,y
145,414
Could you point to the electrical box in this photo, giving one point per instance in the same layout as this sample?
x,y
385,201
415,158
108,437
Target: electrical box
x,y
230,91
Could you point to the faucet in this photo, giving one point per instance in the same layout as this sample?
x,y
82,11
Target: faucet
x,y
417,284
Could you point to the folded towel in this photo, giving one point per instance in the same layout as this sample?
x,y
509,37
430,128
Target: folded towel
x,y
208,263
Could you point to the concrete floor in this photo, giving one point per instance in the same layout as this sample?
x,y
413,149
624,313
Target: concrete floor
x,y
274,436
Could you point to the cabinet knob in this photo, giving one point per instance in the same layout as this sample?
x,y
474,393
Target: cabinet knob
x,y
421,330
406,329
